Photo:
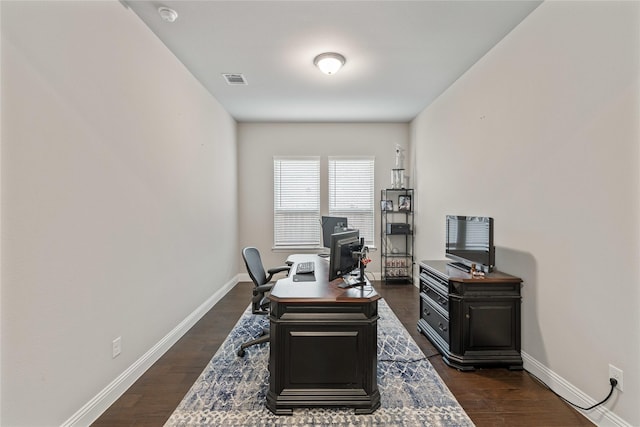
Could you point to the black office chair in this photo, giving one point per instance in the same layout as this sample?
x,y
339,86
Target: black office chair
x,y
259,301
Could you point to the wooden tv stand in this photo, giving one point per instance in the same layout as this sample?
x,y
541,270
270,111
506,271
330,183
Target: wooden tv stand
x,y
472,321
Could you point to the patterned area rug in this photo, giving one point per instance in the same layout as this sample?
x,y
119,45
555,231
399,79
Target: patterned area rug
x,y
231,390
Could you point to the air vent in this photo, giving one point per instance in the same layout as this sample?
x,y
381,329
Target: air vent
x,y
235,79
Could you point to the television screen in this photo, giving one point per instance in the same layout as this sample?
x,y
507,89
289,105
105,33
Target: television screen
x,y
469,241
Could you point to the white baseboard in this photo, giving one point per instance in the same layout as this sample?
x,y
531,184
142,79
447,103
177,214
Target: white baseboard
x,y
600,416
244,277
105,398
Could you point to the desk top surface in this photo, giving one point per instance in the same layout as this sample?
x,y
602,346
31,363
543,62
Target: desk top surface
x,y
320,290
450,273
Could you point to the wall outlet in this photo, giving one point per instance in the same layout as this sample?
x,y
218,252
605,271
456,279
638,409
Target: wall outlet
x,y
116,347
617,374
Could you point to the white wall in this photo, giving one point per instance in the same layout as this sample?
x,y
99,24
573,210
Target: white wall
x,y
543,135
259,142
115,161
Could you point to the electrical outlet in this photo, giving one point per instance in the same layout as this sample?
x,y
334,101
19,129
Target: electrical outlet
x,y
116,347
617,375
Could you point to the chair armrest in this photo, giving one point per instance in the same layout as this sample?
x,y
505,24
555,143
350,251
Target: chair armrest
x,y
263,288
275,270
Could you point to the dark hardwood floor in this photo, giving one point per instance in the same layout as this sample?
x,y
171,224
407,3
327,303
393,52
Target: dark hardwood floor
x,y
491,397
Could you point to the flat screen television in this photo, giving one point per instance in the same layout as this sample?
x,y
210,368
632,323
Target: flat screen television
x,y
341,259
330,225
470,241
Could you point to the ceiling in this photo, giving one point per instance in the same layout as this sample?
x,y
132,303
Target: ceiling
x,y
401,55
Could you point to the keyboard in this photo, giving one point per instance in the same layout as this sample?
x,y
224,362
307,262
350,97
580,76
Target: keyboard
x,y
305,267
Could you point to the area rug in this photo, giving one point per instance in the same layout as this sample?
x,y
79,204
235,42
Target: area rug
x,y
231,390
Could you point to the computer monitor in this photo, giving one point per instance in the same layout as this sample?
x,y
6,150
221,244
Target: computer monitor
x,y
342,261
331,225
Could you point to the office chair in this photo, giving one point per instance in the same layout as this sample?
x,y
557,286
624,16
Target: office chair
x,y
259,301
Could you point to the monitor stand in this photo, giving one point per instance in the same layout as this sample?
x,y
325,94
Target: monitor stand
x,y
349,281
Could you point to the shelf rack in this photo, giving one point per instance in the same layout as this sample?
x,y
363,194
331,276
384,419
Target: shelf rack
x,y
396,235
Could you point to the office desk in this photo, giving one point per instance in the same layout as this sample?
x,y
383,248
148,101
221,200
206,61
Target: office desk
x,y
323,343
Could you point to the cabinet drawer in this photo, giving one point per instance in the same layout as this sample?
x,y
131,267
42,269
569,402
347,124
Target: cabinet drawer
x,y
434,282
436,298
487,288
435,319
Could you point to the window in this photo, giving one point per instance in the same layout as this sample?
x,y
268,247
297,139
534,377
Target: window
x,y
351,192
296,201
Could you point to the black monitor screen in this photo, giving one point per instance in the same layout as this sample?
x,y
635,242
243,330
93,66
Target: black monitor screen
x,y
342,261
331,225
470,240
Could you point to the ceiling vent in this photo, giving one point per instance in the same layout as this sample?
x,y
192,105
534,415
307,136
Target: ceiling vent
x,y
235,79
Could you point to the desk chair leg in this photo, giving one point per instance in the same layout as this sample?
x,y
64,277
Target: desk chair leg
x,y
262,339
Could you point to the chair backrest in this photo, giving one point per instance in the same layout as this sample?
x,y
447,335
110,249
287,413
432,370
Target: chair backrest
x,y
254,265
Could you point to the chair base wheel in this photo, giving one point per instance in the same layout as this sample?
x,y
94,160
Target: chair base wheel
x,y
241,352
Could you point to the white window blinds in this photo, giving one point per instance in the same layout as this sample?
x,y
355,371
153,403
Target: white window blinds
x,y
296,201
351,192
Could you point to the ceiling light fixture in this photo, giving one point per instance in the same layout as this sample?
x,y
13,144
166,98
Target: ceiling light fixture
x,y
329,62
167,15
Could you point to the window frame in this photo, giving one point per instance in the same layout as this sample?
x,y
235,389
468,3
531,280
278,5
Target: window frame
x,y
363,217
307,219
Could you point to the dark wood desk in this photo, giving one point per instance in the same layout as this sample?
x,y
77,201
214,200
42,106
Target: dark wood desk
x,y
323,343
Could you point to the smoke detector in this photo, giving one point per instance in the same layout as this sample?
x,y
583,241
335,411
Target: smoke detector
x,y
167,15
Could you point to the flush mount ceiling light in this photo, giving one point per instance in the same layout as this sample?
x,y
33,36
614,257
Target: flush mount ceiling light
x,y
329,62
167,15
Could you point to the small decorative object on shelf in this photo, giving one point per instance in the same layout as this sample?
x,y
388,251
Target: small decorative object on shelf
x,y
386,205
404,203
397,178
396,234
397,173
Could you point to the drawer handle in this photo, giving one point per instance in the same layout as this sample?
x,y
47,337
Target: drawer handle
x,y
441,327
427,313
